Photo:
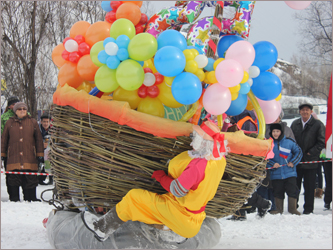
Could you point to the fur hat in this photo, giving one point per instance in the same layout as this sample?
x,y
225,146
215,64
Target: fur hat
x,y
276,126
19,105
12,100
45,115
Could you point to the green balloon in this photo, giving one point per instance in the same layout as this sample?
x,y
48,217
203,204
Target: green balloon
x,y
130,75
142,47
95,49
105,79
122,26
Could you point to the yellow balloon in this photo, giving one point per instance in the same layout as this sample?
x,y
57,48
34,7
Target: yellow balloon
x,y
149,64
211,77
249,105
191,66
84,86
188,55
152,106
217,62
235,89
206,78
166,96
245,77
168,80
200,74
234,96
278,98
131,97
195,52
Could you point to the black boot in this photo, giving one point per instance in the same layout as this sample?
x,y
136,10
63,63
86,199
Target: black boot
x,y
14,193
30,195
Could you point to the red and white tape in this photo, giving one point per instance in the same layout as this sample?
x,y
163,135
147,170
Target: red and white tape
x,y
27,173
305,162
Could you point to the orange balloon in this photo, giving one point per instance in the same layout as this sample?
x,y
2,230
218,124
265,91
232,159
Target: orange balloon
x,y
97,32
138,3
68,74
79,28
129,11
86,68
56,55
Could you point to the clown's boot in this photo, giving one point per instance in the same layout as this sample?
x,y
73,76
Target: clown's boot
x,y
292,206
279,206
102,226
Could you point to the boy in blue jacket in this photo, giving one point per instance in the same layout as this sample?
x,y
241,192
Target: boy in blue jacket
x,y
287,154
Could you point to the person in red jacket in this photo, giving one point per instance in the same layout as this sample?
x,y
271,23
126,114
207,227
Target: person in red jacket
x,y
192,181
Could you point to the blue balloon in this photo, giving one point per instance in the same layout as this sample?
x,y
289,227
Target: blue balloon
x,y
171,38
122,54
122,41
102,56
193,47
237,106
113,62
210,65
225,42
186,88
169,61
266,55
267,86
106,6
108,40
245,88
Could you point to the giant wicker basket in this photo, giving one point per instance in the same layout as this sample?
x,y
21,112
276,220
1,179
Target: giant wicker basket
x,y
95,162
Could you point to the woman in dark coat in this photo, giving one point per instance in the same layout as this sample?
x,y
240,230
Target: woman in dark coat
x,y
22,145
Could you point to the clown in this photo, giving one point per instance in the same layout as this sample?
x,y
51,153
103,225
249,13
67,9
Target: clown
x,y
192,181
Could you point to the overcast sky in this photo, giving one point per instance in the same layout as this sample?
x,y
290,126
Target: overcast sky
x,y
271,21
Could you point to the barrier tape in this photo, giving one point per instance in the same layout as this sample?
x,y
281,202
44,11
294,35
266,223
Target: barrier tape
x,y
305,162
27,173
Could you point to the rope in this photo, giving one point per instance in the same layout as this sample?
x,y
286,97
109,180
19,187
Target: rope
x,y
26,173
305,162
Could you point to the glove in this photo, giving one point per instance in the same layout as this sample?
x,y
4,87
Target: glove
x,y
158,174
40,159
163,179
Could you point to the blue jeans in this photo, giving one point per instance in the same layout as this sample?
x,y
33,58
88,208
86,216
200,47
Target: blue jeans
x,y
267,193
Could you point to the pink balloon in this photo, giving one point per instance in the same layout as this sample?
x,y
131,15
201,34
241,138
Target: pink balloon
x,y
243,52
298,5
271,110
229,73
216,99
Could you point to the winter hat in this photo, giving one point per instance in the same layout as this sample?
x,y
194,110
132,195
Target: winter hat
x,y
12,100
45,115
310,106
19,105
276,126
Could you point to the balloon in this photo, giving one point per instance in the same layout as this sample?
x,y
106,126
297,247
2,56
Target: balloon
x,y
149,79
225,42
237,106
153,91
211,77
68,74
171,38
250,82
106,6
97,32
200,74
131,97
122,54
254,72
245,88
86,68
84,48
266,55
85,86
217,62
110,17
169,61
112,62
243,52
279,97
105,79
267,86
142,47
108,40
111,49
79,28
57,55
152,106
197,49
71,46
245,77
235,89
159,78
249,105
202,61
298,5
166,96
98,47
129,11
122,41
209,66
229,73
115,4
102,57
270,109
130,75
191,66
186,88
122,27
142,91
216,99
234,96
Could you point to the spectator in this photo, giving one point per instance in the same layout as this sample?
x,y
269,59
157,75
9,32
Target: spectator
x,y
310,136
287,154
328,180
246,121
22,143
286,130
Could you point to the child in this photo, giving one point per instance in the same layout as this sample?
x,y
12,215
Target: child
x,y
287,154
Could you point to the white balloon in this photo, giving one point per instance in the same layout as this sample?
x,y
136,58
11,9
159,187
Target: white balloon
x,y
149,79
250,81
254,72
111,48
202,61
71,46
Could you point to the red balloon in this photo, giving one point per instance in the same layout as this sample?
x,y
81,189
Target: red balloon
x,y
142,91
115,4
65,55
139,28
79,39
144,19
74,57
159,78
110,17
147,70
84,48
153,91
66,39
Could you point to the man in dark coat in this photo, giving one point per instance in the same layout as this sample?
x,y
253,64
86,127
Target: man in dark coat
x,y
310,136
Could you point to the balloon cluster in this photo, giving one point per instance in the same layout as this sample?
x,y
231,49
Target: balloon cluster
x,y
75,48
150,82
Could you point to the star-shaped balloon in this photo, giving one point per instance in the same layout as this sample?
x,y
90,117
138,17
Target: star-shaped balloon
x,y
203,35
239,27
